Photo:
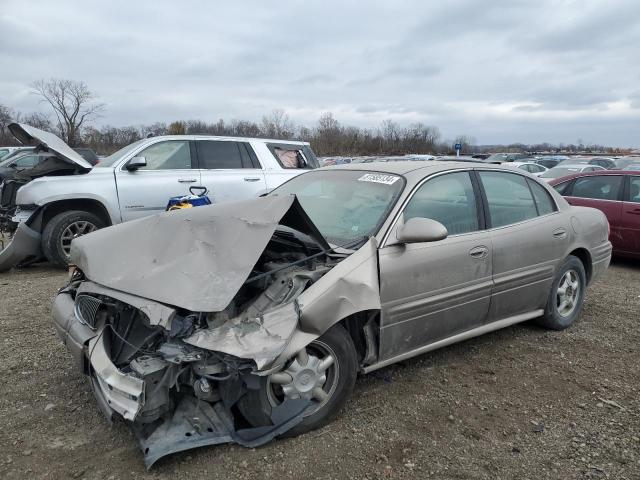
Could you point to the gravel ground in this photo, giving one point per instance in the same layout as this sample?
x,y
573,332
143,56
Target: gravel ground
x,y
519,403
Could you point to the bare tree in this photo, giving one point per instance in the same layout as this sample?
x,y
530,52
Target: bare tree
x,y
36,119
72,102
6,114
277,125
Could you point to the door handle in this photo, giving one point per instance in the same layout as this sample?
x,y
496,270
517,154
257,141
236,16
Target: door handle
x,y
187,180
251,179
635,211
560,233
479,252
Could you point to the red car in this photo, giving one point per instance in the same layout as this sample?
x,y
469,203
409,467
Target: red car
x,y
617,194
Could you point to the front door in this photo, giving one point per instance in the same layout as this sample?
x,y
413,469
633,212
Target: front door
x,y
169,173
430,291
229,171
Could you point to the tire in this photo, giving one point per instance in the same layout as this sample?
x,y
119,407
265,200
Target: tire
x,y
64,224
256,405
557,317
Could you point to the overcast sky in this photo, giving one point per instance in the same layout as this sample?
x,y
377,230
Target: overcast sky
x,y
502,72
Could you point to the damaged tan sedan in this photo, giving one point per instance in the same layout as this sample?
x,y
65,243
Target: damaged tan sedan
x,y
247,321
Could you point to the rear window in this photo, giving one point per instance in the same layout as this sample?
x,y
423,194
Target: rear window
x,y
291,156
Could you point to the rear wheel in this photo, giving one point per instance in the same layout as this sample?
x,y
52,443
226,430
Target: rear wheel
x,y
324,372
567,295
62,229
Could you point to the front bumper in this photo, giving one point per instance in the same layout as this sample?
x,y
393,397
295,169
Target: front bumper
x,y
192,424
24,245
115,391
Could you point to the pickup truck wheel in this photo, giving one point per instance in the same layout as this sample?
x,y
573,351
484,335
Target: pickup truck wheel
x,y
62,229
323,372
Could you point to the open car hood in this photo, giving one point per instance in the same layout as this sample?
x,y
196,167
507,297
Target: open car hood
x,y
196,258
28,135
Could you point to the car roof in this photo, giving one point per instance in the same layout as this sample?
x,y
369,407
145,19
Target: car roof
x,y
222,137
597,173
407,167
576,165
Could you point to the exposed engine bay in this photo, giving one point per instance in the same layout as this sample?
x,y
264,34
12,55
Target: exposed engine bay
x,y
168,375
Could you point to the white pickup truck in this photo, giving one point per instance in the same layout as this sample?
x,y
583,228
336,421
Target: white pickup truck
x,y
42,210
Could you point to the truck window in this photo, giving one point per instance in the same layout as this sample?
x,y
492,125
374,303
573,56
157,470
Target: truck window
x,y
170,155
218,154
293,156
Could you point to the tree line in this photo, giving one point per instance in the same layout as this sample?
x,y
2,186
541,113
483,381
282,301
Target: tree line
x,y
74,108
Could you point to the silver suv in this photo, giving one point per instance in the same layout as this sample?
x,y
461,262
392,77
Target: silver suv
x,y
45,208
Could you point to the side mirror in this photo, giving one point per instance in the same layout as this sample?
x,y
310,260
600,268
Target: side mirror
x,y
418,230
136,162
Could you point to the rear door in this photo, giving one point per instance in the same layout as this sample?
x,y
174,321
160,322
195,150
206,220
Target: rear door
x,y
630,216
169,172
529,237
603,192
432,290
229,170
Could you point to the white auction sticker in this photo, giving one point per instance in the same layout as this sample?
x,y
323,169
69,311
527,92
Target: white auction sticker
x,y
378,178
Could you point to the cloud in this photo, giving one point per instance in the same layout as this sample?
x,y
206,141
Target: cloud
x,y
499,71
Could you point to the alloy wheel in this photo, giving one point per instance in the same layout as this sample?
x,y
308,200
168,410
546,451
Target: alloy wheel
x,y
75,230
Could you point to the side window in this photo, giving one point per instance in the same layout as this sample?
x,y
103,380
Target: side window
x,y
27,161
218,154
449,199
170,155
543,200
293,156
561,187
634,189
536,168
509,198
599,187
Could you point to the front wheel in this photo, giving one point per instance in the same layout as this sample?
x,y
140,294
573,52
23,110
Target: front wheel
x,y
62,229
567,295
323,372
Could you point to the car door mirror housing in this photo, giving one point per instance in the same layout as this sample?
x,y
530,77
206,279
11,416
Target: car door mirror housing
x,y
418,230
136,162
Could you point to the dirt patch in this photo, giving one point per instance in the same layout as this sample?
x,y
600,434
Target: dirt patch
x,y
519,403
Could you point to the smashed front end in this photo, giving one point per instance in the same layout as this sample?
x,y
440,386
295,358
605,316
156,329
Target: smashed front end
x,y
177,373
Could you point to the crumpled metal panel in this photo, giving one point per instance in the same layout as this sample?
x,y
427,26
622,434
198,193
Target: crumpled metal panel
x,y
196,258
25,244
350,287
261,339
157,313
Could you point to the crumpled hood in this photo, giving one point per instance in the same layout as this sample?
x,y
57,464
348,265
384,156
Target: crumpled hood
x,y
195,258
28,135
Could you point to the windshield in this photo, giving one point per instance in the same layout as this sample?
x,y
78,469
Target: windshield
x,y
345,205
560,172
115,157
625,162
